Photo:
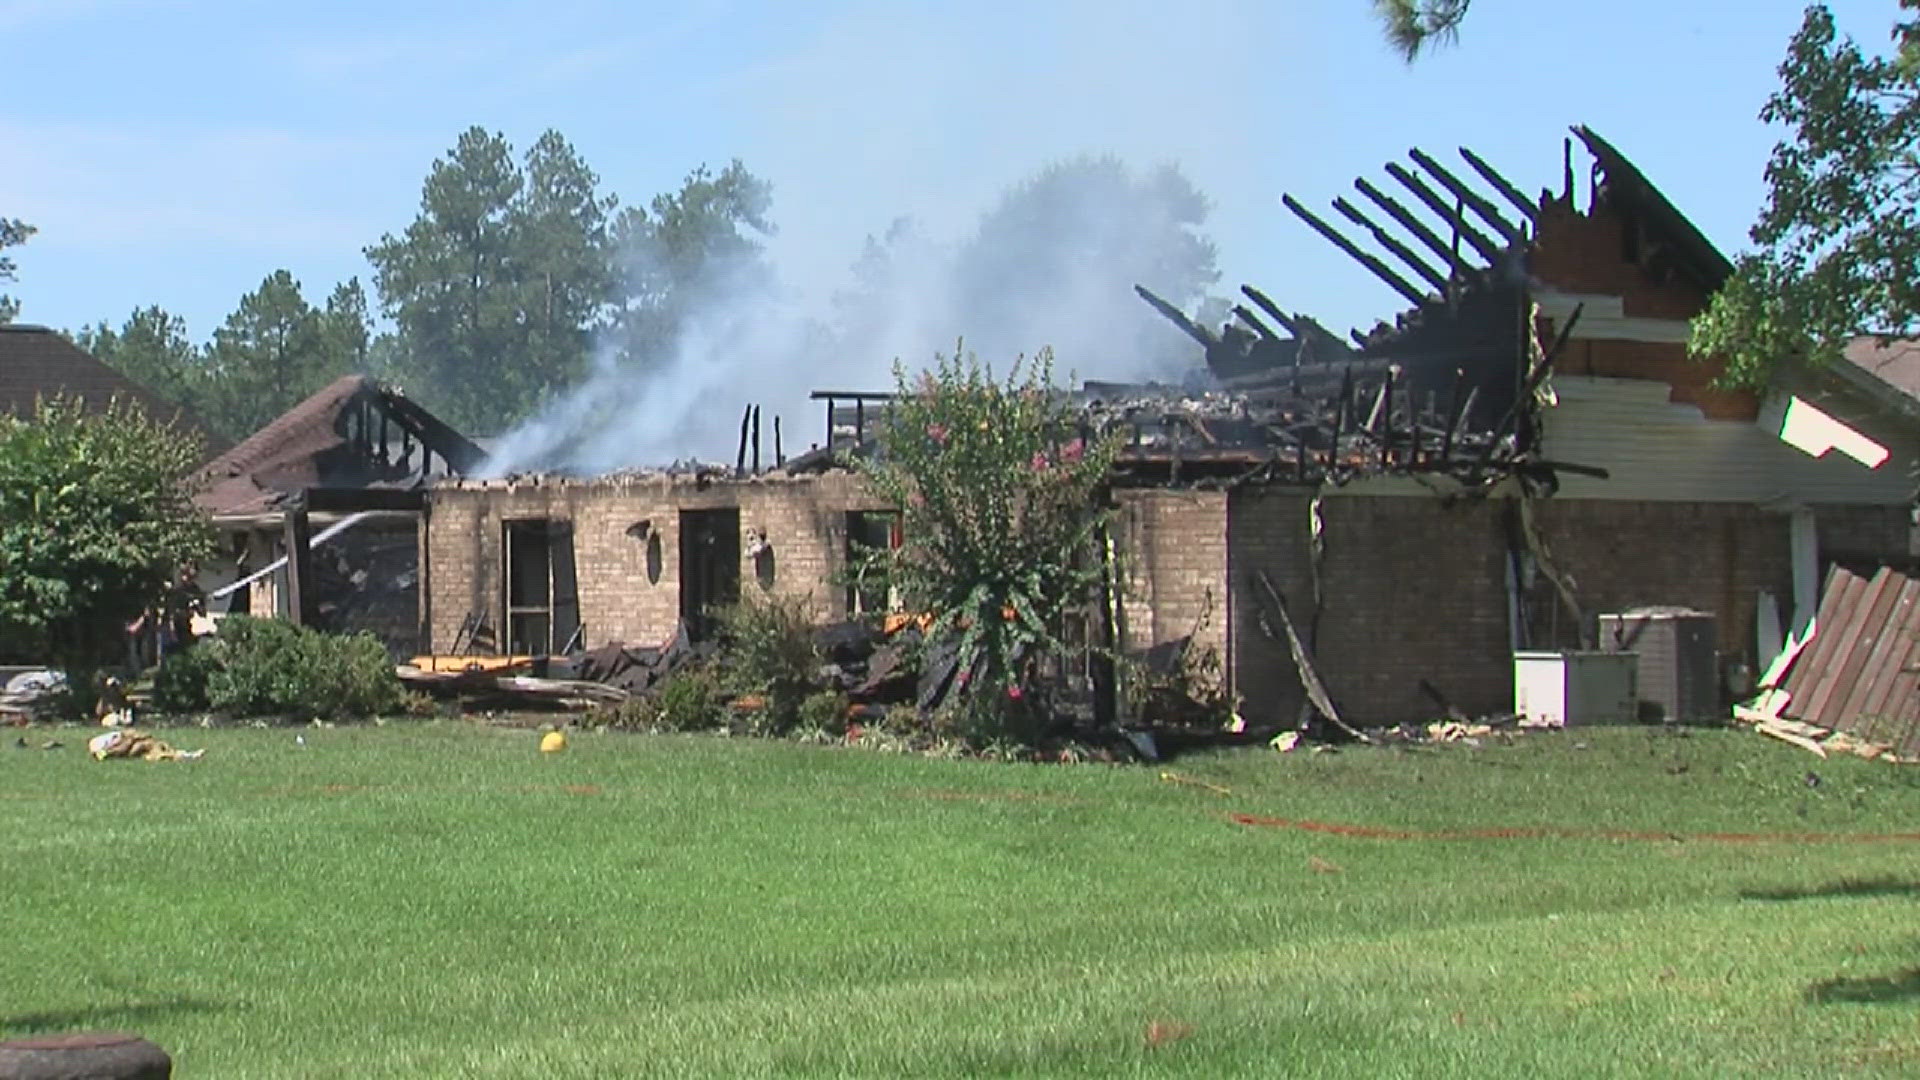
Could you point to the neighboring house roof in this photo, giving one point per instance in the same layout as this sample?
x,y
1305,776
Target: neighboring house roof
x,y
36,362
1894,361
352,434
1885,375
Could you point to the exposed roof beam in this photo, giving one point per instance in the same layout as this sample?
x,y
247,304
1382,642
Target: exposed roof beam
x,y
1386,240
1178,318
1477,239
1492,176
1380,270
1240,311
1310,333
1487,211
1413,225
1271,308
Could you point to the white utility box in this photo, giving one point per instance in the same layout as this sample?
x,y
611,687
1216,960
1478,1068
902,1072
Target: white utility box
x,y
1679,664
1572,688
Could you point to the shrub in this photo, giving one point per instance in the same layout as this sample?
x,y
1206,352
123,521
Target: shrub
x,y
904,719
95,523
770,653
1001,491
419,705
1190,690
687,700
268,667
824,710
633,714
180,683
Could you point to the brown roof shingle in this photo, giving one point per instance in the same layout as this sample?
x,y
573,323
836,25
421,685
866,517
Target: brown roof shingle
x,y
36,362
1895,362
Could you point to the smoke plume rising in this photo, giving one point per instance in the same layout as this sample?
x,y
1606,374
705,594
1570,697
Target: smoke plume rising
x,y
1051,265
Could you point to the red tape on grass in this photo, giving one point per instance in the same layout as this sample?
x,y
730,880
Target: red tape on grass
x,y
1374,832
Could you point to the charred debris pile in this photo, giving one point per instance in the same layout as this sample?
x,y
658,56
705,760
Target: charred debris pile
x,y
869,667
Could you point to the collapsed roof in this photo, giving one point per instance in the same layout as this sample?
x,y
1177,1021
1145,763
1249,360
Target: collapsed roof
x,y
1447,389
354,435
1459,245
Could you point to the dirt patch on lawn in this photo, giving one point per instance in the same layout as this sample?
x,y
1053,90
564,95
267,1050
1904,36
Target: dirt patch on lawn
x,y
940,795
1375,832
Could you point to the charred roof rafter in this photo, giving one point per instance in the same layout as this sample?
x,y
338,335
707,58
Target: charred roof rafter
x,y
1250,352
1456,215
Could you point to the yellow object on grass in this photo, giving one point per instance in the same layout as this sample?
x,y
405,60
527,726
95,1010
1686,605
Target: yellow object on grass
x,y
128,743
553,742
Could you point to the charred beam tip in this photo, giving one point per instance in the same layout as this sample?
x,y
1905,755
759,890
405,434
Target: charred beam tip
x,y
1528,208
1253,321
1358,254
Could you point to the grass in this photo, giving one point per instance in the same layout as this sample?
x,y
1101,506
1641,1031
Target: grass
x,y
440,899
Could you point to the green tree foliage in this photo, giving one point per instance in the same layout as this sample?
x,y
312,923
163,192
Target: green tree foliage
x,y
1839,240
95,521
13,231
1001,498
561,255
346,328
1411,25
152,348
696,244
273,351
495,286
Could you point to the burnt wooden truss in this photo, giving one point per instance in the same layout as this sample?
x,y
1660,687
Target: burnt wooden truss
x,y
1447,388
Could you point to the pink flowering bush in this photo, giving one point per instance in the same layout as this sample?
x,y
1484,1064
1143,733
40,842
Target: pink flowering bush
x,y
1002,496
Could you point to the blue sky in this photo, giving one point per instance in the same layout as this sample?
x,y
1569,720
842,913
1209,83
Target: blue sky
x,y
178,152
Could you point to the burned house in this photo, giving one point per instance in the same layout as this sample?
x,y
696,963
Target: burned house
x,y
319,512
1637,480
1351,518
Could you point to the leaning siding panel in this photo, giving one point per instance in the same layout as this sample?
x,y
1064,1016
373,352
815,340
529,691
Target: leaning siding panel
x,y
1858,674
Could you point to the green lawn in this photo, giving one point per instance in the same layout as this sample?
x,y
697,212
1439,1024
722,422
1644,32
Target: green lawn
x,y
443,900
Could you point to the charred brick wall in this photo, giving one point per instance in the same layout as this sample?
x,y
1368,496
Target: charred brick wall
x,y
626,541
1172,548
1415,588
1594,253
1713,557
1865,535
1410,587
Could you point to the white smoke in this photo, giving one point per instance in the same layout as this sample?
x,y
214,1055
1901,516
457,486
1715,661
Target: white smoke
x,y
1051,266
